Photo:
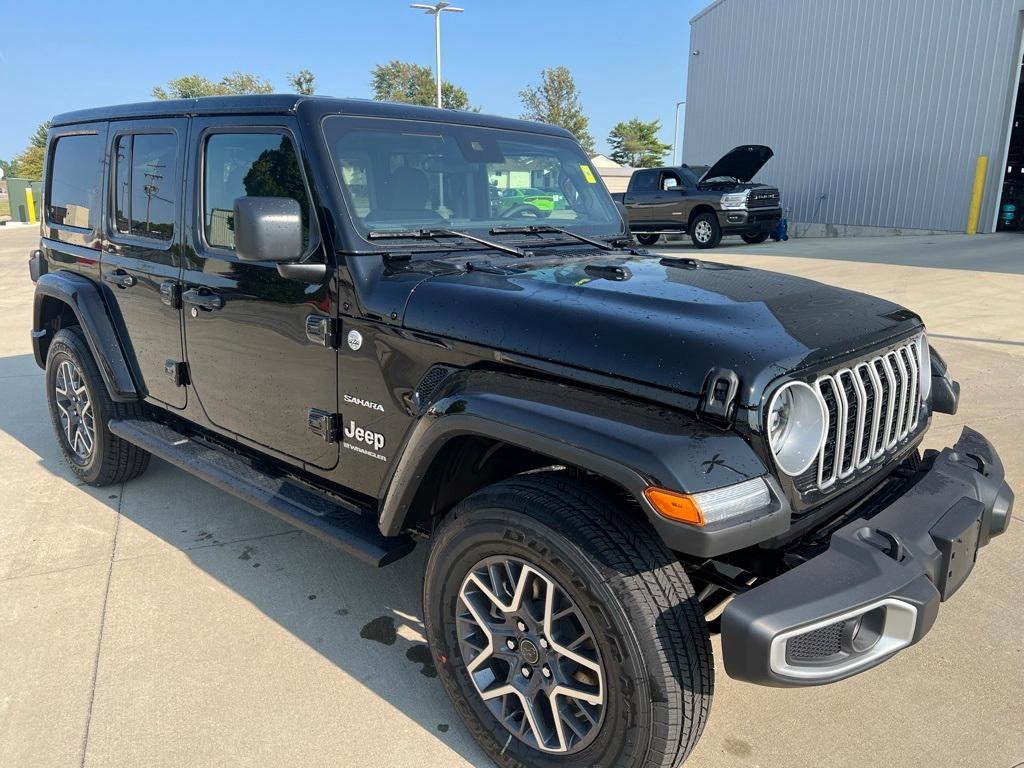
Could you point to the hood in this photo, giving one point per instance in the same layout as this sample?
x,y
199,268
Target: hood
x,y
656,321
740,163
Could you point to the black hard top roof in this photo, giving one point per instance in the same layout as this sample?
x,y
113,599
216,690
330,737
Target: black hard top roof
x,y
282,103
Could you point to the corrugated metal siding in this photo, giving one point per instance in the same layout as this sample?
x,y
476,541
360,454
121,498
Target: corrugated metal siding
x,y
876,109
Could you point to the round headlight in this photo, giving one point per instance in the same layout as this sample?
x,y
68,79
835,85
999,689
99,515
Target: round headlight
x,y
796,426
924,366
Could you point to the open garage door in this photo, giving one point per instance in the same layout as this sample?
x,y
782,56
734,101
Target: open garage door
x,y
1010,213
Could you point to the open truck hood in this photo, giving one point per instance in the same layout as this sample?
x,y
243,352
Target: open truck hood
x,y
741,163
659,322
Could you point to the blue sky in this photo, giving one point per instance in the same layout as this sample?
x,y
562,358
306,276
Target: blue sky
x,y
629,59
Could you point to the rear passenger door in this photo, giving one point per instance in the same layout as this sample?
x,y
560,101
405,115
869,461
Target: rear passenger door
x,y
642,198
141,262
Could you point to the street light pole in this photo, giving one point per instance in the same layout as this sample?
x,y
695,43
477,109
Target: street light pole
x,y
436,10
675,134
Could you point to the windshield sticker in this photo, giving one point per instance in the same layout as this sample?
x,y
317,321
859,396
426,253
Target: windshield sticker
x,y
588,174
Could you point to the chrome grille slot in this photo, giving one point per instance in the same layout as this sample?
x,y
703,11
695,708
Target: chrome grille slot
x,y
870,408
828,461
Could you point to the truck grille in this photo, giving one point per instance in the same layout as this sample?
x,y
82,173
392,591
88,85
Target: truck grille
x,y
871,407
763,197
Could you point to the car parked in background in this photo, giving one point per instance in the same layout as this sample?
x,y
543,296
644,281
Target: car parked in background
x,y
530,200
720,201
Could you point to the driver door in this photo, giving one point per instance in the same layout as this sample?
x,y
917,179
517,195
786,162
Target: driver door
x,y
250,362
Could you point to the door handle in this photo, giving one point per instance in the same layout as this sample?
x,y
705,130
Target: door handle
x,y
202,299
120,278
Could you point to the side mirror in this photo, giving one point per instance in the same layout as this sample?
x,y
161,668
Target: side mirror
x,y
268,229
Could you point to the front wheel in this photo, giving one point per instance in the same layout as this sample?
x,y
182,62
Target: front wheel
x,y
564,632
755,238
705,231
647,239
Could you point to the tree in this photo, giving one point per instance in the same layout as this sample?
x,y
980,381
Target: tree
x,y
635,143
29,164
194,86
557,101
302,82
414,84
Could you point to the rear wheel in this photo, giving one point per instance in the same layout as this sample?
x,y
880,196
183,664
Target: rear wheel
x,y
705,231
80,408
647,239
755,238
564,632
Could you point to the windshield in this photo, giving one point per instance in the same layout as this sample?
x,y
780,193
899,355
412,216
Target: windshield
x,y
402,175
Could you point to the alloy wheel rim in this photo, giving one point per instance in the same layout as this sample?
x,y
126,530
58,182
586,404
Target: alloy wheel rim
x,y
531,655
74,409
703,231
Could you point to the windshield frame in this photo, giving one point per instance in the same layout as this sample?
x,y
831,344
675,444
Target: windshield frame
x,y
611,230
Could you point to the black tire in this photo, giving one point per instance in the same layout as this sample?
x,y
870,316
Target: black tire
x,y
111,459
705,231
651,636
647,239
755,239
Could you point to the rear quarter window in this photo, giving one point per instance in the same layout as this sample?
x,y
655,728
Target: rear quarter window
x,y
73,197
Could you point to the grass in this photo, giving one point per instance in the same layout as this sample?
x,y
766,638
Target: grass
x,y
5,209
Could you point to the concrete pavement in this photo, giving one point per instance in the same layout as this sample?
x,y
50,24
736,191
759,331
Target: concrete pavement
x,y
164,623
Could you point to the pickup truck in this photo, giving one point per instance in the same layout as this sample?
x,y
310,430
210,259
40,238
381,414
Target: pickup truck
x,y
719,201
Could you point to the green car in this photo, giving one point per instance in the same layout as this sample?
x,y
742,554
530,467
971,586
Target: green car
x,y
542,202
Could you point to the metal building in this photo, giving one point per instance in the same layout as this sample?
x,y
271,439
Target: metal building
x,y
877,110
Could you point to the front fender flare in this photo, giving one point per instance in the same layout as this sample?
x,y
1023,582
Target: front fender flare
x,y
84,299
631,443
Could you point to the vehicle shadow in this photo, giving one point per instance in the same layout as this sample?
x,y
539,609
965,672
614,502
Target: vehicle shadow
x,y
366,622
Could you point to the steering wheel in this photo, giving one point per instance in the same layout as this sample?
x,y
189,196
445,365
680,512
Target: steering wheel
x,y
524,211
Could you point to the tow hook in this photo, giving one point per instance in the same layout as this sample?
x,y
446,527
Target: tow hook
x,y
888,543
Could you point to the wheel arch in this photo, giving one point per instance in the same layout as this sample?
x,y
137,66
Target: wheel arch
x,y
63,299
698,210
485,426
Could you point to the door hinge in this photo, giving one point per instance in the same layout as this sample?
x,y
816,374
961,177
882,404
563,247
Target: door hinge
x,y
170,293
324,424
177,372
322,330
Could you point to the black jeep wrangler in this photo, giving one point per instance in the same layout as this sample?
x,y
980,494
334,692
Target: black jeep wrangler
x,y
312,304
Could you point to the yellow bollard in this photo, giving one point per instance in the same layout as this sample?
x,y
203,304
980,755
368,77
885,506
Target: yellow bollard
x,y
974,213
30,203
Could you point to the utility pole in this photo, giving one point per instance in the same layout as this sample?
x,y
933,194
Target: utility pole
x,y
436,10
150,188
675,135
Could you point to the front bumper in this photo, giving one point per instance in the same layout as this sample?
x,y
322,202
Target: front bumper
x,y
748,221
877,588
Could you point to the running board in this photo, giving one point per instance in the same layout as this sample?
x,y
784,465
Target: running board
x,y
355,533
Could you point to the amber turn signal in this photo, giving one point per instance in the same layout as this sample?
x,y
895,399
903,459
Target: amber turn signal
x,y
675,506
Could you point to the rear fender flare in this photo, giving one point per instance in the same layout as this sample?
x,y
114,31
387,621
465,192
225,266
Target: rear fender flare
x,y
631,443
83,298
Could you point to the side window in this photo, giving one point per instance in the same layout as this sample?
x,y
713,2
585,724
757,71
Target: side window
x,y
145,185
73,197
645,181
247,165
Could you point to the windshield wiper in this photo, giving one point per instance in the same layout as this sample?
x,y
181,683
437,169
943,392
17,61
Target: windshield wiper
x,y
537,229
430,233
